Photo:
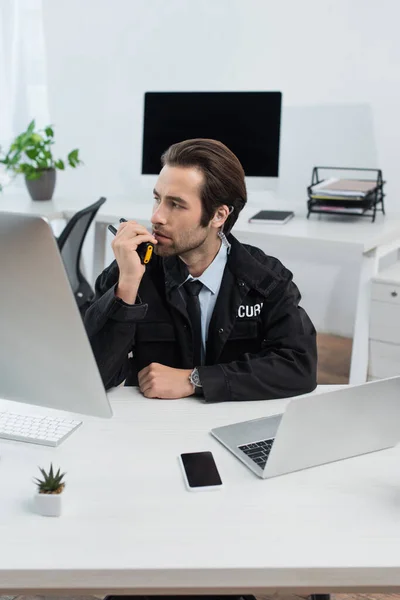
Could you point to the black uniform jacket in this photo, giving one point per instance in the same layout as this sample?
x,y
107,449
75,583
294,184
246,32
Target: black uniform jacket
x,y
261,343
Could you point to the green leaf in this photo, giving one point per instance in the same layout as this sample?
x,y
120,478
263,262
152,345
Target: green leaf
x,y
49,131
32,153
33,174
59,164
73,158
14,158
36,138
43,472
31,127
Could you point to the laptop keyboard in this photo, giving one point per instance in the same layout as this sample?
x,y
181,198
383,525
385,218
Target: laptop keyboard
x,y
258,451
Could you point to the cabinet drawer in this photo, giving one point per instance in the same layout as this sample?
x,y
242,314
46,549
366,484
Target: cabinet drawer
x,y
384,360
384,292
385,322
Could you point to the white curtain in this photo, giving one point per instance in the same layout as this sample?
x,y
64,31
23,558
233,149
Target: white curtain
x,y
23,87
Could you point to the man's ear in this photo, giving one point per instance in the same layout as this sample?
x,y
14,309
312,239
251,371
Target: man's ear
x,y
221,215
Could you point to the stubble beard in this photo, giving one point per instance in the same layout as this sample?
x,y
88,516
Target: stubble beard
x,y
191,240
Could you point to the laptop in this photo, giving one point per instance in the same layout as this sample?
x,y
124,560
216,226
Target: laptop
x,y
316,429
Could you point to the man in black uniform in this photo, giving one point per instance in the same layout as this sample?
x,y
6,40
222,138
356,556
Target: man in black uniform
x,y
207,316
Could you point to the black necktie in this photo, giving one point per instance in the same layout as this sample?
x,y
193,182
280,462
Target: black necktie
x,y
193,307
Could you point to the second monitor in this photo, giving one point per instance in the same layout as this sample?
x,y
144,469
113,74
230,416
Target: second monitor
x,y
248,123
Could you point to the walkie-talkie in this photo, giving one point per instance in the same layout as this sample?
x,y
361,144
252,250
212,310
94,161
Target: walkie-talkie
x,y
145,250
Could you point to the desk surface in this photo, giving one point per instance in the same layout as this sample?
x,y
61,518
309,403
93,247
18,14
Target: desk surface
x,y
359,232
129,525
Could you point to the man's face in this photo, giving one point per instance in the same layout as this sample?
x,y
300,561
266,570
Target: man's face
x,y
177,211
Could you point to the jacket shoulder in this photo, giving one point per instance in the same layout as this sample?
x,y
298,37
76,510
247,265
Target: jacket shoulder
x,y
270,264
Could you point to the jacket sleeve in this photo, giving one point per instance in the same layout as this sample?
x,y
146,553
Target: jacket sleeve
x,y
286,364
110,324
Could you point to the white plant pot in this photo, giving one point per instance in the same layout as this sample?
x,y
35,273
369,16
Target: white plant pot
x,y
48,505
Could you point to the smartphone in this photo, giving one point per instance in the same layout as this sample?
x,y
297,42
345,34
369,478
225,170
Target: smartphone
x,y
200,471
144,250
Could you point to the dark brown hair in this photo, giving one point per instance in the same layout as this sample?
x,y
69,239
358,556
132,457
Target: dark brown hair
x,y
223,175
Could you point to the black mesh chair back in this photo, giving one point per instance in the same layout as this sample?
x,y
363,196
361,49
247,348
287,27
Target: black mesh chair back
x,y
70,244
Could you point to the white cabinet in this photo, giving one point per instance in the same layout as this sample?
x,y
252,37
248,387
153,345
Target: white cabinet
x,y
384,326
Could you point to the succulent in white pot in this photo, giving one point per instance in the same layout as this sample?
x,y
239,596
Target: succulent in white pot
x,y
48,499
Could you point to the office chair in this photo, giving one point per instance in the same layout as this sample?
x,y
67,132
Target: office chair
x,y
70,244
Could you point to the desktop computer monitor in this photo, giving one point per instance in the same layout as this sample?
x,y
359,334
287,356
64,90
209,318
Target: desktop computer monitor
x,y
45,355
248,123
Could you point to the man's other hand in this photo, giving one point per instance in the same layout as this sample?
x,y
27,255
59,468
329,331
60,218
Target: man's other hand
x,y
159,381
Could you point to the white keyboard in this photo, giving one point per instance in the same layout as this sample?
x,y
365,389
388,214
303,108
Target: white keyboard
x,y
48,431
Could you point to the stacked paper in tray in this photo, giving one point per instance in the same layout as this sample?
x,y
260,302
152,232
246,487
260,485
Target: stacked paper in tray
x,y
342,189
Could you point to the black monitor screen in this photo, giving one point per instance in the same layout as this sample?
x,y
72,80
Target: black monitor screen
x,y
247,122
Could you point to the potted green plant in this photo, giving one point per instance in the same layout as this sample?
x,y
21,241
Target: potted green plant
x,y
30,154
49,494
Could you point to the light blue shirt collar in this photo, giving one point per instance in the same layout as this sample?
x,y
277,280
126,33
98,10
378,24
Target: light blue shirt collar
x,y
211,278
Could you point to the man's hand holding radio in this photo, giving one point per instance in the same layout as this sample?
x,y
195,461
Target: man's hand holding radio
x,y
131,270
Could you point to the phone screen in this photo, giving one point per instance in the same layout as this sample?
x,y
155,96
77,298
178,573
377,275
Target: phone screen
x,y
201,470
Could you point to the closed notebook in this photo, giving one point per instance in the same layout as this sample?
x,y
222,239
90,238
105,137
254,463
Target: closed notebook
x,y
275,217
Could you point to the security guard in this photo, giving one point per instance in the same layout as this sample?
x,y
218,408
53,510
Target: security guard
x,y
207,315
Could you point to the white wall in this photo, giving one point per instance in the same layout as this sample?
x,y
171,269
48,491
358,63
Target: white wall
x,y
336,63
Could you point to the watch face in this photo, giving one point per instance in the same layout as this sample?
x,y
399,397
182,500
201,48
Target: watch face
x,y
195,378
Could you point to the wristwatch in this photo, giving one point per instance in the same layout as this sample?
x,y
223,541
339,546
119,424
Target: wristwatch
x,y
194,379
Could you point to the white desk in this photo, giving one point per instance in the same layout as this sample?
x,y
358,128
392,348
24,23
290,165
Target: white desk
x,y
130,526
365,242
50,209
